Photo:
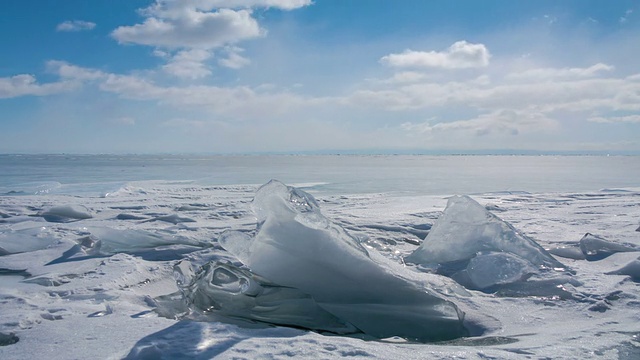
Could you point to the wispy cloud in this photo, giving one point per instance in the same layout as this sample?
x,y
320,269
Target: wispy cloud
x,y
75,25
545,74
615,119
234,60
502,121
625,18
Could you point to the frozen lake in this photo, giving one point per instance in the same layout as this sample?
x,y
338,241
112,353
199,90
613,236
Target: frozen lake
x,y
90,247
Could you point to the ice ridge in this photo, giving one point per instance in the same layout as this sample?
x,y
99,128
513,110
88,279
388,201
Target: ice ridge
x,y
296,247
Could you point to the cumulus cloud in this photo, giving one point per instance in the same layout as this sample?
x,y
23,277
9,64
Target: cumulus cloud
x,y
193,28
189,64
204,24
75,25
26,84
187,31
458,56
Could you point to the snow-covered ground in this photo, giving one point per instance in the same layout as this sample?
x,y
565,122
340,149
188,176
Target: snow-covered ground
x,y
93,276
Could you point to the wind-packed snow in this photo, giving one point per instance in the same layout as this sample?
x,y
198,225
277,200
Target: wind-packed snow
x,y
103,285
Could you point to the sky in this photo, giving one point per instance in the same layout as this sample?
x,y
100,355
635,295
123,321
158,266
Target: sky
x,y
251,76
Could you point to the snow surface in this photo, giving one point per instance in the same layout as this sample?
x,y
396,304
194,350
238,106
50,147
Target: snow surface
x,y
96,279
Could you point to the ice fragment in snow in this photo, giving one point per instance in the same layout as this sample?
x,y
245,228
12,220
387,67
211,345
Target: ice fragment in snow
x,y
297,247
466,228
112,241
104,241
124,216
596,248
25,240
228,290
173,219
571,251
495,268
8,339
632,269
66,213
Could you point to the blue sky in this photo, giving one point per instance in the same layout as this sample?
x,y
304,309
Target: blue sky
x,y
235,76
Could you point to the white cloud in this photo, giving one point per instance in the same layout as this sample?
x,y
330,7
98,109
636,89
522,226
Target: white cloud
x,y
168,8
192,28
75,25
576,94
616,119
236,102
458,56
502,121
234,60
69,71
26,84
186,32
189,64
403,77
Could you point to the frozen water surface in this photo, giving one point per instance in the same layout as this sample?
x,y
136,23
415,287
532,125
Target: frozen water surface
x,y
98,281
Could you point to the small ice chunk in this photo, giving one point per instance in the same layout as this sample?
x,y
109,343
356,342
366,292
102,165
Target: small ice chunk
x,y
632,269
66,213
496,268
173,219
596,248
8,339
125,216
572,251
466,228
108,310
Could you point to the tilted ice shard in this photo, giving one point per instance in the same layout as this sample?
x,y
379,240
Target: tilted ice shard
x,y
596,248
466,228
632,269
296,246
